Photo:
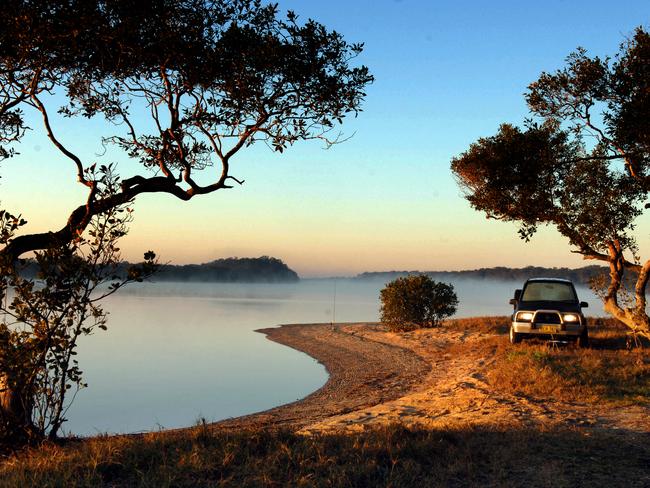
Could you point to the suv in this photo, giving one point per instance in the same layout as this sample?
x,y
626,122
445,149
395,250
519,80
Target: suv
x,y
548,308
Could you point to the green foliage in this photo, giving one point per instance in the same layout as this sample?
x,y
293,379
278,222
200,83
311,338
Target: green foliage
x,y
264,269
540,176
581,275
582,166
586,179
412,302
42,318
216,76
182,86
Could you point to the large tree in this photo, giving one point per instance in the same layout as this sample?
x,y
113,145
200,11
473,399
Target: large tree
x,y
581,164
184,85
212,77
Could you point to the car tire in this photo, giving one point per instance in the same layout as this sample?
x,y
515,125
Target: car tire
x,y
514,337
583,339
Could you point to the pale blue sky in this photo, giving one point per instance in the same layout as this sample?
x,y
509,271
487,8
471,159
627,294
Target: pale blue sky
x,y
446,73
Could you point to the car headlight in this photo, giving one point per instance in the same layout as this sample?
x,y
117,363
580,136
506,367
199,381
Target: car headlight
x,y
525,316
570,317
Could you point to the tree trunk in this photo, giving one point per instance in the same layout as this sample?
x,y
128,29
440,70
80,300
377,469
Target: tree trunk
x,y
633,316
636,320
15,414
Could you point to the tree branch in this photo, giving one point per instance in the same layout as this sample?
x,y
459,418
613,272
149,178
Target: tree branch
x,y
80,217
50,134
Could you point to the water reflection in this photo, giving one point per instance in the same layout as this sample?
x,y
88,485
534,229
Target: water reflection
x,y
175,352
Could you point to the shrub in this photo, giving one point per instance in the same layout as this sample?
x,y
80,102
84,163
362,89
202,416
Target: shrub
x,y
412,302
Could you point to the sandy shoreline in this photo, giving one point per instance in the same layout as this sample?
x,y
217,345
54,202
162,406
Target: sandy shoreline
x,y
362,373
377,377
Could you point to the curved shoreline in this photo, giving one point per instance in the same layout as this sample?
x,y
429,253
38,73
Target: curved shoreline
x,y
362,373
430,378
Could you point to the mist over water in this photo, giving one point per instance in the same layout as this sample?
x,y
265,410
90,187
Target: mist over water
x,y
177,352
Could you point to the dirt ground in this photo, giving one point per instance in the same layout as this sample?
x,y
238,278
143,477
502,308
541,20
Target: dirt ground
x,y
379,377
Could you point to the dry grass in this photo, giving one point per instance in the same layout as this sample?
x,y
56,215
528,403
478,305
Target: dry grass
x,y
569,374
390,456
613,369
484,325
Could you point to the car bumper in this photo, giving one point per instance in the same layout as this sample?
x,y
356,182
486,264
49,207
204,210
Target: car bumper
x,y
551,330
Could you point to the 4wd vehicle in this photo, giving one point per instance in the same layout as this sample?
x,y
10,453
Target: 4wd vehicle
x,y
548,308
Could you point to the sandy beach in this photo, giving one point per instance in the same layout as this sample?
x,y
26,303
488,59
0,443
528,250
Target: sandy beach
x,y
416,379
362,373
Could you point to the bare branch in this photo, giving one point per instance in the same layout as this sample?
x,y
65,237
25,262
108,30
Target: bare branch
x,y
46,121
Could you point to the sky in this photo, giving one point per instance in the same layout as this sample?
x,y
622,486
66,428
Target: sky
x,y
446,73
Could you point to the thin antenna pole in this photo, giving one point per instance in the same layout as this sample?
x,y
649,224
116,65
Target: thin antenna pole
x,y
334,305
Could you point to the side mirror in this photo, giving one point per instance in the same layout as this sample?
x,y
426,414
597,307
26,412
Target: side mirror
x,y
515,300
584,304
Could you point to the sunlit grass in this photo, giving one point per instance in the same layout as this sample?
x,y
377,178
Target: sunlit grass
x,y
485,325
613,369
565,374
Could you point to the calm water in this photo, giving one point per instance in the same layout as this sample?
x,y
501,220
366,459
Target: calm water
x,y
177,352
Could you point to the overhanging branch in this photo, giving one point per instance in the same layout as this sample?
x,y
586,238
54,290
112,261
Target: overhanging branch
x,y
81,216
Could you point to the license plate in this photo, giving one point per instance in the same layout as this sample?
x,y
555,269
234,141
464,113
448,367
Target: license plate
x,y
549,329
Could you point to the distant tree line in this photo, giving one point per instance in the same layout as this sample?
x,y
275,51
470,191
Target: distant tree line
x,y
264,269
578,275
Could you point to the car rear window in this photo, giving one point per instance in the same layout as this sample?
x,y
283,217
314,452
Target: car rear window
x,y
545,291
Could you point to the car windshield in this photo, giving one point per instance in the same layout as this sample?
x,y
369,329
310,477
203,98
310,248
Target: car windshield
x,y
548,291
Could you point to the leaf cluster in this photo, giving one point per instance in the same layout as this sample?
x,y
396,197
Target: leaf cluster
x,y
581,163
42,317
540,176
213,76
604,100
416,301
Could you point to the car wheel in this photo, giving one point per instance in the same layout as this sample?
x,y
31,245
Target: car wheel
x,y
583,339
514,337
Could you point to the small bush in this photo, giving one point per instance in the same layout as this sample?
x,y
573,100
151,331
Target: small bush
x,y
416,301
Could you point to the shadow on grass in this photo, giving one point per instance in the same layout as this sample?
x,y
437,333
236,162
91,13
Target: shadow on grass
x,y
614,336
388,456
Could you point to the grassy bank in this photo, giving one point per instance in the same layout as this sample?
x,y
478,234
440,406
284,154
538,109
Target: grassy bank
x,y
393,456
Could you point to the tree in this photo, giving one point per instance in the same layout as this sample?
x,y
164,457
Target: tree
x,y
212,77
416,301
581,165
42,319
185,84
